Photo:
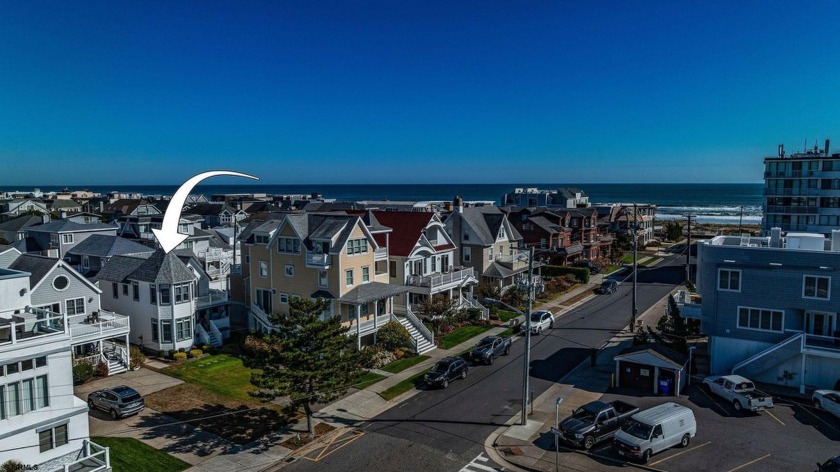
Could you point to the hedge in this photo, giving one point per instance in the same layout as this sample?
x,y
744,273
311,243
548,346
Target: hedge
x,y
580,273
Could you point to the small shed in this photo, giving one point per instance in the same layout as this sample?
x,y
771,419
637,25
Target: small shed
x,y
652,367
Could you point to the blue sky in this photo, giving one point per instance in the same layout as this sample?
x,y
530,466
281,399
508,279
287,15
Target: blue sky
x,y
412,92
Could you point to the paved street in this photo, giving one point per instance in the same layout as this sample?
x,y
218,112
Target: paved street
x,y
446,429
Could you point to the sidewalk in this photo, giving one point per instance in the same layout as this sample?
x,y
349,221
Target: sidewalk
x,y
531,447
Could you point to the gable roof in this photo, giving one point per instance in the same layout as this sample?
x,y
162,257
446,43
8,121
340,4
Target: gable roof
x,y
104,245
37,266
20,222
68,226
486,221
659,351
159,268
209,209
407,228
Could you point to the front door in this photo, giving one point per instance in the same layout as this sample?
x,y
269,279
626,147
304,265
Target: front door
x,y
819,324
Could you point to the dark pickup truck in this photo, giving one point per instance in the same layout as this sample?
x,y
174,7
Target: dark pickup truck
x,y
489,348
595,422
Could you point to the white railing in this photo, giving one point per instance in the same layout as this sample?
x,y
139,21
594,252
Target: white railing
x,y
688,304
319,260
201,334
824,343
380,253
214,297
25,327
485,312
106,324
798,337
92,458
412,318
262,315
433,281
215,330
366,327
123,353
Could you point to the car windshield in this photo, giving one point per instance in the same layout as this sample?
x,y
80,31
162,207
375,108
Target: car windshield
x,y
441,367
485,342
606,283
536,316
636,429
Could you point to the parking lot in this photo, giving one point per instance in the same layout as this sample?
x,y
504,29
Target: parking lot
x,y
790,437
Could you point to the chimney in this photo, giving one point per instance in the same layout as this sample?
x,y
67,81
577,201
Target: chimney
x,y
63,215
827,142
45,218
458,203
781,150
775,237
101,206
835,240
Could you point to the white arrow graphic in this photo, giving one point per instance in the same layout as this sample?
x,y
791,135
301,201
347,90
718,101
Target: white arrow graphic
x,y
168,236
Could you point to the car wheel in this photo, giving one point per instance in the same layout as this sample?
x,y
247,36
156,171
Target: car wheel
x,y
490,360
817,404
646,457
551,325
507,350
685,440
737,405
445,383
464,374
91,405
588,443
114,414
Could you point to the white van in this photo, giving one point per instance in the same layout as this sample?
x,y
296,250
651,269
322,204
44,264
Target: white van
x,y
654,430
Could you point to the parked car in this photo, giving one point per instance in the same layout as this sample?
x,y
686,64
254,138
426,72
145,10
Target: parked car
x,y
593,267
595,422
827,400
738,391
831,465
489,348
607,286
445,371
541,320
119,402
655,430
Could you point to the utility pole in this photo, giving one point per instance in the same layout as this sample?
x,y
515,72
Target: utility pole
x,y
635,267
526,373
740,220
688,252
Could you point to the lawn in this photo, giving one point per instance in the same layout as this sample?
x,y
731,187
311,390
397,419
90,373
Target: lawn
x,y
460,335
506,315
611,268
130,455
400,365
368,379
222,374
506,333
404,386
650,261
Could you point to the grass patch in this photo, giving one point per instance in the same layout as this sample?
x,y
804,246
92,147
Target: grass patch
x,y
460,335
400,365
650,261
611,268
368,379
222,374
627,258
506,315
506,333
129,455
404,386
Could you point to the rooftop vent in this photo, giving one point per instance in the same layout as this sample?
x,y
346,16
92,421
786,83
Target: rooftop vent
x,y
775,237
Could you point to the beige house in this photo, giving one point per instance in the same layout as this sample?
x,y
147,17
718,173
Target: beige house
x,y
328,255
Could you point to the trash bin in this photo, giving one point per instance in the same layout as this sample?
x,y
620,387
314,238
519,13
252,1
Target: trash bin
x,y
665,387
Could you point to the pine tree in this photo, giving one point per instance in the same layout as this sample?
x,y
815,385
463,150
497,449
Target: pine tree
x,y
308,360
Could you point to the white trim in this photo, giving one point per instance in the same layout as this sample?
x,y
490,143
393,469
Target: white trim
x,y
69,269
805,276
771,310
84,306
60,289
740,280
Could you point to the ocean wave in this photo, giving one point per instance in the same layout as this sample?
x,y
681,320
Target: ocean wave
x,y
715,219
712,210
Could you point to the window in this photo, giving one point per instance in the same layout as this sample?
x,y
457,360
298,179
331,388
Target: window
x,y
348,277
815,286
490,254
184,228
166,331
760,319
357,246
187,245
125,289
164,295
322,278
28,395
61,282
54,239
290,270
52,438
183,329
434,264
86,262
365,274
12,399
729,280
466,236
153,294
116,288
288,245
284,298
392,268
75,306
135,290
66,239
467,254
182,293
39,362
27,364
260,239
155,330
263,269
543,243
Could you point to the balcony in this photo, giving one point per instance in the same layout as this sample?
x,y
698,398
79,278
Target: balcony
x,y
517,260
215,297
689,304
822,344
367,326
380,254
440,280
793,191
90,458
792,209
321,261
32,324
97,325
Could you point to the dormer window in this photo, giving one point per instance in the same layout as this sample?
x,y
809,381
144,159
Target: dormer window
x,y
261,239
502,233
288,245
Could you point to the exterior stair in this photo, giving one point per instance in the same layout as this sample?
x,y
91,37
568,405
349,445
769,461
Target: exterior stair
x,y
423,345
770,357
116,357
214,337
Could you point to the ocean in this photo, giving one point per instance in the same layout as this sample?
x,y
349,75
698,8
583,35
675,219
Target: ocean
x,y
711,203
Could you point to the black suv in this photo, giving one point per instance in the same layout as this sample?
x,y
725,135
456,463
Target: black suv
x,y
593,267
607,286
445,371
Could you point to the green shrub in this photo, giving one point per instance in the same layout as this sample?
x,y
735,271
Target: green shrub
x,y
196,353
180,349
82,372
393,336
161,354
172,353
180,356
102,369
206,348
136,356
580,273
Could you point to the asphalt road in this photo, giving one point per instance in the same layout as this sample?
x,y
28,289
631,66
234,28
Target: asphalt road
x,y
444,430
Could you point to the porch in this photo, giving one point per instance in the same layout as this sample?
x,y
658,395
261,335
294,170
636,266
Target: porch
x,y
97,325
214,298
367,307
113,352
438,282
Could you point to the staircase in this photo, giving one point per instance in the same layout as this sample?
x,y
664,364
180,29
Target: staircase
x,y
423,338
116,357
214,336
770,357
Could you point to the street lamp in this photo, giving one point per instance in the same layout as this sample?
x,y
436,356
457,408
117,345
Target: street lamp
x,y
557,436
529,284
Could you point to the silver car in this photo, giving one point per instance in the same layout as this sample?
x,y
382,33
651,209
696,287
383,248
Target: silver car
x,y
118,401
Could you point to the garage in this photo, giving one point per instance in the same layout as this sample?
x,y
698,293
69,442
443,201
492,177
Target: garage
x,y
651,367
